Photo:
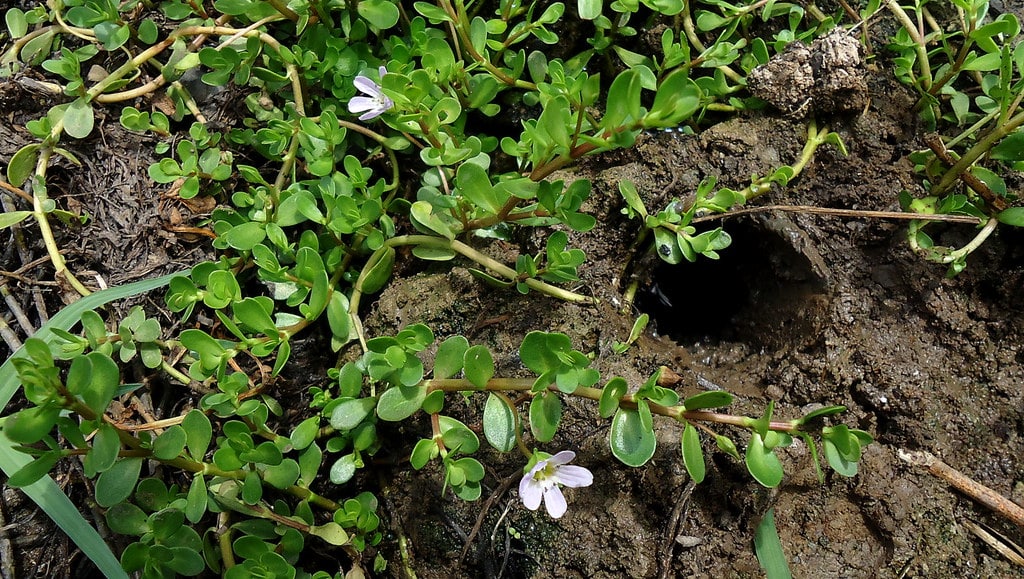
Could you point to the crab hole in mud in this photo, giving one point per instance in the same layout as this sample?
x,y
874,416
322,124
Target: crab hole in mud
x,y
769,289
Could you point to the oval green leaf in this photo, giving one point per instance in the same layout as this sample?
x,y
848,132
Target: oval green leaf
x,y
630,442
169,445
451,356
545,414
343,469
1013,216
127,519
22,165
78,119
116,483
763,465
613,392
400,402
588,9
32,424
837,460
197,500
198,433
499,424
380,13
34,470
331,532
693,455
350,413
479,366
712,399
371,280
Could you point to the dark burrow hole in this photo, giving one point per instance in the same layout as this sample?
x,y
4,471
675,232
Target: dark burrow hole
x,y
769,289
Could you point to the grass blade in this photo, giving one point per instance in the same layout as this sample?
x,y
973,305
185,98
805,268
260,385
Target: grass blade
x,y
768,548
45,492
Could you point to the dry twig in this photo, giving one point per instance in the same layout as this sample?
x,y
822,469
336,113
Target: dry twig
x,y
966,485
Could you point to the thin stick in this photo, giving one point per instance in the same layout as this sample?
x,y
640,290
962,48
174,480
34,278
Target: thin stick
x,y
8,335
844,213
19,314
1004,546
16,190
7,570
682,502
964,484
497,494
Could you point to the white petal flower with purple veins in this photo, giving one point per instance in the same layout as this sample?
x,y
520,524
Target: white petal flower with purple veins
x,y
541,482
374,105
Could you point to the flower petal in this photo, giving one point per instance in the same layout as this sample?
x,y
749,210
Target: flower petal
x,y
530,493
554,500
360,103
365,85
574,476
536,468
372,114
562,457
382,70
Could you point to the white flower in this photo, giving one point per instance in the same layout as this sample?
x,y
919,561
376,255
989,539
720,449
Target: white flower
x,y
543,479
371,106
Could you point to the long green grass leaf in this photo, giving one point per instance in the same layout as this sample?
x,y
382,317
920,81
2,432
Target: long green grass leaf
x,y
768,548
45,492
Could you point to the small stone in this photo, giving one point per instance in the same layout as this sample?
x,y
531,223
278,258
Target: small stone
x,y
688,542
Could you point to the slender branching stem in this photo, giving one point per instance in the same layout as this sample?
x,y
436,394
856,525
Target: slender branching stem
x,y
679,413
983,146
919,42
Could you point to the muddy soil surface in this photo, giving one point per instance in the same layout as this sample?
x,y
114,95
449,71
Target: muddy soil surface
x,y
819,310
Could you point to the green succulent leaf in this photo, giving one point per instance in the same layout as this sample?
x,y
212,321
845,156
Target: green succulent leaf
x,y
23,164
116,483
344,469
1012,216
631,437
127,519
198,433
588,9
711,399
78,118
30,425
169,445
693,455
350,413
378,274
95,378
611,395
197,500
34,470
762,463
499,423
479,366
457,436
331,532
451,356
400,402
382,14
545,415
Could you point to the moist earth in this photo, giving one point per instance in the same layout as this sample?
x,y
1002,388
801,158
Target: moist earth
x,y
801,309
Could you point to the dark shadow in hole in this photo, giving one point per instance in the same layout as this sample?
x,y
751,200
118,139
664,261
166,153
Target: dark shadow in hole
x,y
769,289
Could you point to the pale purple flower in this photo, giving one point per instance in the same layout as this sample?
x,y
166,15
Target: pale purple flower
x,y
374,105
542,481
